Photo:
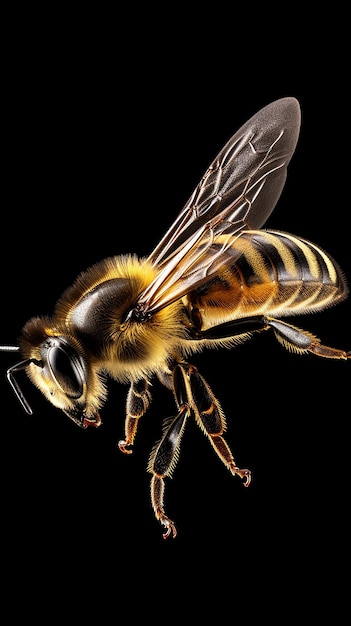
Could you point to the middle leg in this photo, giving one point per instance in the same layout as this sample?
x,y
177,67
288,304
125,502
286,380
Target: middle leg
x,y
210,417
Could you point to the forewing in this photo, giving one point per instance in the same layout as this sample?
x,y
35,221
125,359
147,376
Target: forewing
x,y
238,192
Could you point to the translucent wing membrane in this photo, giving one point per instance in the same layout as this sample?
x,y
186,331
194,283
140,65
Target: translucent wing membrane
x,y
238,192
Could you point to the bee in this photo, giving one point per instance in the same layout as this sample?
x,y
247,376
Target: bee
x,y
215,279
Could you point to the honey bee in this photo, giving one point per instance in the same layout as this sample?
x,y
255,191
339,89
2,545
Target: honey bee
x,y
214,280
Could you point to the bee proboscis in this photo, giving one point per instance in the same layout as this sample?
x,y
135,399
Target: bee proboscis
x,y
215,279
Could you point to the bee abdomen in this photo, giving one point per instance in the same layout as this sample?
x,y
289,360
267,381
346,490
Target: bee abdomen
x,y
277,273
296,274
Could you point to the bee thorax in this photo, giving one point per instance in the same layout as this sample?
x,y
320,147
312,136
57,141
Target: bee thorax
x,y
138,314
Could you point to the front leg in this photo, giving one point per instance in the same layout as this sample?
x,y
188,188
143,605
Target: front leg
x,y
138,401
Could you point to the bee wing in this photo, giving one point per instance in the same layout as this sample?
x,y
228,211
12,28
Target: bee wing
x,y
238,192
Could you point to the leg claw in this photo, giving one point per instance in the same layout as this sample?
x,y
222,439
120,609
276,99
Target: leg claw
x,y
125,447
245,474
171,530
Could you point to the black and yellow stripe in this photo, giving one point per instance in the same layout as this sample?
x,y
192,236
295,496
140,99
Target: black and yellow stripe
x,y
276,274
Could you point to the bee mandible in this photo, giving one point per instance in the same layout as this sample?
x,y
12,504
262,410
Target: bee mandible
x,y
214,280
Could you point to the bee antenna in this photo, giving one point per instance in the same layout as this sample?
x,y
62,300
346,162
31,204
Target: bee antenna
x,y
14,384
9,348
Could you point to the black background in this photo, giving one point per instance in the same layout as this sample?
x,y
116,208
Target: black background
x,y
104,136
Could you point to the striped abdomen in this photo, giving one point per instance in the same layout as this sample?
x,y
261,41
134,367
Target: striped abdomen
x,y
276,274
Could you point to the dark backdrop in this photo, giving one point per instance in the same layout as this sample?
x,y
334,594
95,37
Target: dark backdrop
x,y
102,145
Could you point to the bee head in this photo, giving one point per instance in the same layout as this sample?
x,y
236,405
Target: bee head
x,y
57,365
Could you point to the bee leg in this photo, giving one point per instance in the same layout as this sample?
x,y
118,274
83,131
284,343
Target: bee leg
x,y
157,491
210,418
162,461
303,341
138,401
289,336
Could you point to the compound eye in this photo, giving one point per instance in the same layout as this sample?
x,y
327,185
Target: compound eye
x,y
67,370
